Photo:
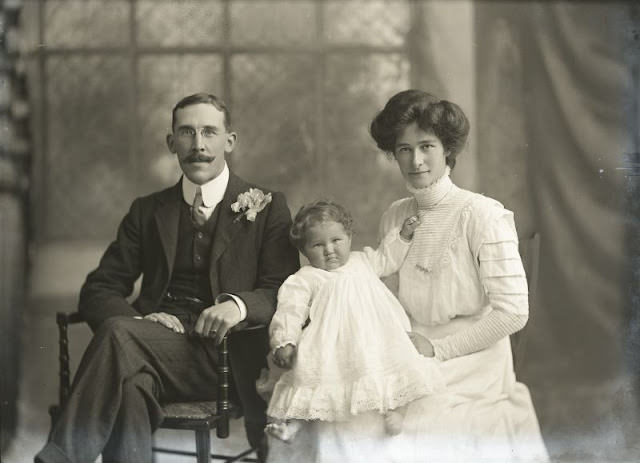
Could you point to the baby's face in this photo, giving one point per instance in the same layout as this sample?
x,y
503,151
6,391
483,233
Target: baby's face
x,y
327,245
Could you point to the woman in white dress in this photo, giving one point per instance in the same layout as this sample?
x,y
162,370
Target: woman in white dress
x,y
464,289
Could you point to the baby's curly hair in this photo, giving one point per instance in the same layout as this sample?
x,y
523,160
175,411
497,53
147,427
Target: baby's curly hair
x,y
318,211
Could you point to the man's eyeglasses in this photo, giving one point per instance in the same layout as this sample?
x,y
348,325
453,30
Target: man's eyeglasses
x,y
190,132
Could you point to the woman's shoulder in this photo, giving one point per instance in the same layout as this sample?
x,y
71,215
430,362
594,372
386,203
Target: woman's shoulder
x,y
395,214
489,220
482,208
399,210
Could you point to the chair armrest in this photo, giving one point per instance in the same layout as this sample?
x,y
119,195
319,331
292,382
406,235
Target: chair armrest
x,y
69,318
64,319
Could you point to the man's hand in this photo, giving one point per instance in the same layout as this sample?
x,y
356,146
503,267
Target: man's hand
x,y
167,320
215,321
284,356
422,344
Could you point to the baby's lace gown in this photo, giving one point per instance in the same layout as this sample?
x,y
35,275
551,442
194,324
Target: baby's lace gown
x,y
355,355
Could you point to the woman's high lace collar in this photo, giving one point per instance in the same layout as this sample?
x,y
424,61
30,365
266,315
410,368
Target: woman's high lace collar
x,y
431,195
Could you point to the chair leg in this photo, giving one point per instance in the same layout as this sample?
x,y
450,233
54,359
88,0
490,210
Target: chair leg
x,y
203,445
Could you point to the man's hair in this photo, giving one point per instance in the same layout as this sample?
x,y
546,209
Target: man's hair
x,y
318,212
206,98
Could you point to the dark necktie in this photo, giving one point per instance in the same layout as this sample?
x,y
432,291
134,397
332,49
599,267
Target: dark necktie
x,y
198,217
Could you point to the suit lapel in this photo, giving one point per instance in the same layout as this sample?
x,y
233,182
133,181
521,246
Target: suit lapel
x,y
167,220
227,228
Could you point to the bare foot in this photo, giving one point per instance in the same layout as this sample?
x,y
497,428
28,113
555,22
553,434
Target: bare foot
x,y
285,431
393,422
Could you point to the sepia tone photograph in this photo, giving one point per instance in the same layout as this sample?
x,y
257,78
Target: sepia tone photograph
x,y
320,231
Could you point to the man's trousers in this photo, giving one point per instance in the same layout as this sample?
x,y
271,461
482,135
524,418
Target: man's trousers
x,y
129,367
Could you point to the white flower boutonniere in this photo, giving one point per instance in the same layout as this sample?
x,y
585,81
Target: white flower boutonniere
x,y
249,203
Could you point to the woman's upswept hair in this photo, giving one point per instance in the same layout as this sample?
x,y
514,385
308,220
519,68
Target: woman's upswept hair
x,y
317,212
446,119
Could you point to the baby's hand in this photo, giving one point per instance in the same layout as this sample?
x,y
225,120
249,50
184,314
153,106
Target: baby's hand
x,y
284,356
408,227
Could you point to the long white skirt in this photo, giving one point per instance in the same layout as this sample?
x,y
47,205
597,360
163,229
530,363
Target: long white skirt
x,y
483,416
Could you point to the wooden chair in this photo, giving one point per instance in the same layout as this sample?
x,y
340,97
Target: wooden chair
x,y
200,417
530,252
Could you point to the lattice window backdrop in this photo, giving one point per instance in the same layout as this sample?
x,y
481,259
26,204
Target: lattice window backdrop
x,y
303,79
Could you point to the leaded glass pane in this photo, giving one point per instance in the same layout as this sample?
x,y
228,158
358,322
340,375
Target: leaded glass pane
x,y
272,22
367,22
89,177
274,117
29,33
86,24
162,82
358,175
179,23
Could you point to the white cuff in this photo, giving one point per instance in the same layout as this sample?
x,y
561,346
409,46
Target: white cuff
x,y
242,307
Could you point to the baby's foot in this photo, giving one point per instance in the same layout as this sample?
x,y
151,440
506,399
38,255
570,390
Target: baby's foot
x,y
393,422
283,430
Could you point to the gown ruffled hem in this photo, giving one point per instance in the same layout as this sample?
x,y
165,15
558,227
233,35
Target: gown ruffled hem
x,y
339,401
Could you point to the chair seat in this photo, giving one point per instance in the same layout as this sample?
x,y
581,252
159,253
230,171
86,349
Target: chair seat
x,y
186,415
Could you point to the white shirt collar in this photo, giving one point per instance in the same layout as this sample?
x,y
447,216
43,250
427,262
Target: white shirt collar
x,y
212,191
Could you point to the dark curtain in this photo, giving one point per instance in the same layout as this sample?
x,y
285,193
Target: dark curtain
x,y
14,170
557,143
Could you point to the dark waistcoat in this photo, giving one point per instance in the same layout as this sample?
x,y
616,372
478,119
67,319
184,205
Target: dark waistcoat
x,y
190,277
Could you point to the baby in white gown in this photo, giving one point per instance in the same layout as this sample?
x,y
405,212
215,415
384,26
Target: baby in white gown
x,y
354,354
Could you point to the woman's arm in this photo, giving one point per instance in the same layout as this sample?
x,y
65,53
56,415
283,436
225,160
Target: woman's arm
x,y
390,254
500,269
484,333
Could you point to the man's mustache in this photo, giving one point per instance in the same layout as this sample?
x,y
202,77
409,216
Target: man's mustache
x,y
199,157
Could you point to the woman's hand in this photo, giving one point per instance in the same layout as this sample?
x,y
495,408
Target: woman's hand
x,y
422,344
284,356
408,227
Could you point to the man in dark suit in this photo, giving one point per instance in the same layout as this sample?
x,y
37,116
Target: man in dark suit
x,y
207,265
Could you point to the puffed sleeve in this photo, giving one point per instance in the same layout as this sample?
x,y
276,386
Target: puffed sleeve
x,y
390,254
294,299
495,247
494,242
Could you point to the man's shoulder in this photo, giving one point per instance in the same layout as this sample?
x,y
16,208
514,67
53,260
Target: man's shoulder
x,y
152,200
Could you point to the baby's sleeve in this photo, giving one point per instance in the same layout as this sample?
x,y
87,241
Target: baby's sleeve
x,y
390,254
292,311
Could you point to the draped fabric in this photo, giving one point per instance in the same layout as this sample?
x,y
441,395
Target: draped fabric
x,y
557,143
15,164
